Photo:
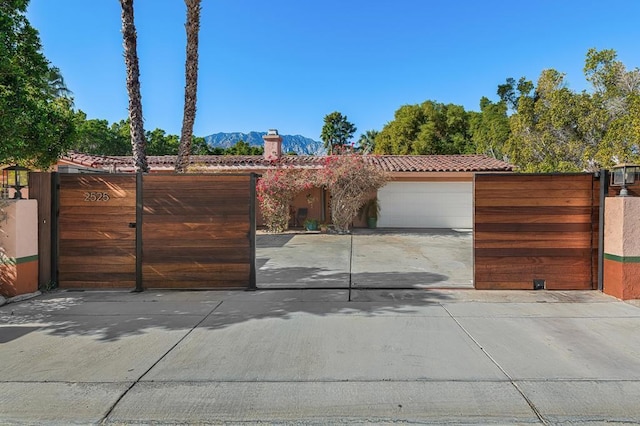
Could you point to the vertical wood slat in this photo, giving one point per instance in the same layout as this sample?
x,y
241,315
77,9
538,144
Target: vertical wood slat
x,y
508,212
40,189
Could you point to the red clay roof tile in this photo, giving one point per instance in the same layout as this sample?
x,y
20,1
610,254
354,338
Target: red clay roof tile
x,y
390,163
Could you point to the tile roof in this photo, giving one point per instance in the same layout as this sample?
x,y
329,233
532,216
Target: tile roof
x,y
439,163
390,163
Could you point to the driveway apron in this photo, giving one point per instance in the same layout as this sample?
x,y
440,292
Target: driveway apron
x,y
381,258
303,261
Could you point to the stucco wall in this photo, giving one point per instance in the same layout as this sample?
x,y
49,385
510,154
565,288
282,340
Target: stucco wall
x,y
622,226
19,229
18,247
622,247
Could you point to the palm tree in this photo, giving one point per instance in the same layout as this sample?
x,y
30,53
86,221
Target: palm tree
x,y
367,141
56,85
138,142
191,84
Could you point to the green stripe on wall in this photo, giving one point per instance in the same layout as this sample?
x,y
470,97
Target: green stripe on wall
x,y
622,259
18,261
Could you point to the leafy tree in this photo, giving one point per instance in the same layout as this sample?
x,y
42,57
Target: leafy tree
x,y
617,97
428,128
545,136
159,143
191,84
243,148
138,143
36,124
199,146
602,70
336,132
511,92
97,137
556,129
489,128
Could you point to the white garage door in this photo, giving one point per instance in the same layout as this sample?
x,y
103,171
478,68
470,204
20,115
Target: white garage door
x,y
426,205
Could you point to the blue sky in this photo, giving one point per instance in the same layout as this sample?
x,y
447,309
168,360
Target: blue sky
x,y
285,64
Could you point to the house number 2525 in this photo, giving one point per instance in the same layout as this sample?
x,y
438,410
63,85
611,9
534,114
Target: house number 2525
x,y
96,196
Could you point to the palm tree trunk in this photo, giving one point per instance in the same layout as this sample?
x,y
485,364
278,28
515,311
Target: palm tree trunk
x,y
138,143
191,84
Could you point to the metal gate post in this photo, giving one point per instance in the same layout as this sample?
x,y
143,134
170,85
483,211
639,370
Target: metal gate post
x,y
252,233
55,217
604,186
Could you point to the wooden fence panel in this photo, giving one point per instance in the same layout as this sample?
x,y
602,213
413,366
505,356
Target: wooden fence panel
x,y
198,231
536,227
96,231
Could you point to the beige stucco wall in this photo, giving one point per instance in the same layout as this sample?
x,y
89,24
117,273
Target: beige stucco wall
x,y
622,226
19,228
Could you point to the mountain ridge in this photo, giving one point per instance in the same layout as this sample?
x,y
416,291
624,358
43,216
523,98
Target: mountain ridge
x,y
299,144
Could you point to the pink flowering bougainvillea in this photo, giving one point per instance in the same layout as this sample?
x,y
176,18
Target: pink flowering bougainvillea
x,y
276,189
350,179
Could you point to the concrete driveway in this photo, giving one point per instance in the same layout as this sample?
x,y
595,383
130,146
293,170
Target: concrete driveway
x,y
313,357
380,258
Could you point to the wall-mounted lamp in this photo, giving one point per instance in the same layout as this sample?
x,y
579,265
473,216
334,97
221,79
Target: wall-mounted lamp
x,y
623,175
16,177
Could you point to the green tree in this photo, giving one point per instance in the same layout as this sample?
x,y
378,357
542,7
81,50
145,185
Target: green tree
x,y
556,129
199,146
617,98
97,137
336,132
489,128
159,143
138,142
511,91
428,128
367,141
548,132
36,124
243,148
191,84
57,86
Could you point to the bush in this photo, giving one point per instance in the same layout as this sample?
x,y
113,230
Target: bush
x,y
351,179
276,189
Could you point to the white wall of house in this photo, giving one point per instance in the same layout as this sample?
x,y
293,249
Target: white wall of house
x,y
426,205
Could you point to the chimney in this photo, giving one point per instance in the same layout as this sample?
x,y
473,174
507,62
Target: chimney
x,y
272,145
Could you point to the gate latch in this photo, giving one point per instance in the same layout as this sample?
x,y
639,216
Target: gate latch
x,y
132,224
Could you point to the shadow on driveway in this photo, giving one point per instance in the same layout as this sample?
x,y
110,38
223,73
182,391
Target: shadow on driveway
x,y
110,316
378,258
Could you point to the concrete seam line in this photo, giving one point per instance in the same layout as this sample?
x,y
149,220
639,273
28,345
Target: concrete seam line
x,y
488,355
350,264
136,381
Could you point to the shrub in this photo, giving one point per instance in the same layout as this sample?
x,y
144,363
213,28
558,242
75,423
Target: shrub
x,y
276,189
351,179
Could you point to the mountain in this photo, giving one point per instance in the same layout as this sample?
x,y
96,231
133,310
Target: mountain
x,y
296,143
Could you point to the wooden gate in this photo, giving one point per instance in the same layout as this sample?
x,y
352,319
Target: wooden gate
x,y
97,235
198,231
536,227
156,231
